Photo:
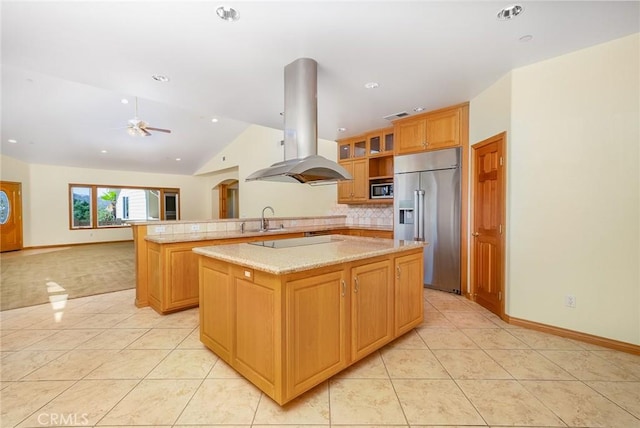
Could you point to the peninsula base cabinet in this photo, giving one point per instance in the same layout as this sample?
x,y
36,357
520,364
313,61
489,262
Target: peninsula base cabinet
x,y
172,271
288,333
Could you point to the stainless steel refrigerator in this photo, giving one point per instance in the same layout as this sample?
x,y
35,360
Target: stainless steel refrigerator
x,y
427,208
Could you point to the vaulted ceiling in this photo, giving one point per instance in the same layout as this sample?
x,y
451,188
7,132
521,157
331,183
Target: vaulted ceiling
x,y
66,66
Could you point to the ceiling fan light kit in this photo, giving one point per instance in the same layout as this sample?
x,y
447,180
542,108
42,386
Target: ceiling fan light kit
x,y
140,128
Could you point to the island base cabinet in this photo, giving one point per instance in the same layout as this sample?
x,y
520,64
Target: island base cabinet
x,y
315,330
288,333
409,292
257,331
172,277
216,307
371,308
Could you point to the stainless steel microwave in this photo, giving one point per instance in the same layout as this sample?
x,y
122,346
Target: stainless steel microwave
x,y
381,191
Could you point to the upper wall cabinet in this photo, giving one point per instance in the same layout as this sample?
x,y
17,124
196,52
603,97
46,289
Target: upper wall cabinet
x,y
432,131
380,142
369,159
352,148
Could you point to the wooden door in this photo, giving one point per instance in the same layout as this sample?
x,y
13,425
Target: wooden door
x,y
371,307
222,200
488,223
10,216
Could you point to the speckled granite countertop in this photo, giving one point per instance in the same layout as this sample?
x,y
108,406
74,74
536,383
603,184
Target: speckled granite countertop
x,y
206,236
333,249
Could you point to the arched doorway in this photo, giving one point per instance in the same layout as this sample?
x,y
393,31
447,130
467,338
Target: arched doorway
x,y
228,199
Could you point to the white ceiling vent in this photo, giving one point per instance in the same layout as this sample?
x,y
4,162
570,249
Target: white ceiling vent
x,y
395,116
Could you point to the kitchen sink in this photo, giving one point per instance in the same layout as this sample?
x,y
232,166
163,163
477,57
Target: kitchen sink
x,y
271,229
296,242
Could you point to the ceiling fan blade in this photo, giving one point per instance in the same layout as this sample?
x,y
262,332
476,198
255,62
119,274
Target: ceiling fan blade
x,y
144,131
168,131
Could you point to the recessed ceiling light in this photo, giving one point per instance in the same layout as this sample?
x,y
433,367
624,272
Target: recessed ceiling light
x,y
12,141
371,85
103,151
510,12
526,38
124,101
418,109
214,120
160,78
178,159
228,13
342,129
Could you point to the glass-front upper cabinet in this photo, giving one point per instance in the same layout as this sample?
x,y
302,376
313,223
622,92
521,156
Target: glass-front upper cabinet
x,y
360,148
344,150
352,148
387,140
380,142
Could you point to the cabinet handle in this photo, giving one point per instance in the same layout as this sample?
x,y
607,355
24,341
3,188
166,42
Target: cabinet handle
x,y
344,287
398,272
357,287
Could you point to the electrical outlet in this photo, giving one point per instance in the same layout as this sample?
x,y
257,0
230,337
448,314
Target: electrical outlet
x,y
570,301
160,229
195,227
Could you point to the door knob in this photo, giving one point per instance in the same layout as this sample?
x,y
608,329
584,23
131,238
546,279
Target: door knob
x,y
475,234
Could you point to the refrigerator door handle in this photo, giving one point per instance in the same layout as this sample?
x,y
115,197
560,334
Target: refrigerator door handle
x,y
416,215
421,214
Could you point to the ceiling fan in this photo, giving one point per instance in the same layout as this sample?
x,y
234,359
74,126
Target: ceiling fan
x,y
139,128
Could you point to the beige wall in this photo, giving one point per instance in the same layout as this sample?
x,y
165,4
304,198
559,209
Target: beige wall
x,y
259,147
490,114
213,180
573,188
46,199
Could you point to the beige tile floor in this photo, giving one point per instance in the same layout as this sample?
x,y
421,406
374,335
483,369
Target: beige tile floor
x,y
108,363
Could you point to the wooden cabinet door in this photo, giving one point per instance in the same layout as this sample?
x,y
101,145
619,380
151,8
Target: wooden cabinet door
x,y
181,289
315,330
409,303
345,188
360,180
410,136
355,190
443,129
371,307
216,307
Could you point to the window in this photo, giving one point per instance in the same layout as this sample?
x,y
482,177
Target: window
x,y
125,207
94,206
81,207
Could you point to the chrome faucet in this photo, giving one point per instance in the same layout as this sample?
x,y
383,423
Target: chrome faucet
x,y
264,224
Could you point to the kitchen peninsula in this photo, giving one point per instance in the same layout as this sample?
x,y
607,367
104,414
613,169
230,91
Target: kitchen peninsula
x,y
167,269
288,314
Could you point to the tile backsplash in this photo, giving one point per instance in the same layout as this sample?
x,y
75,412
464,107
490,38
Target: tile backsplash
x,y
365,215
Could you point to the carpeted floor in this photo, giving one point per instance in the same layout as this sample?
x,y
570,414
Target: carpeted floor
x,y
31,277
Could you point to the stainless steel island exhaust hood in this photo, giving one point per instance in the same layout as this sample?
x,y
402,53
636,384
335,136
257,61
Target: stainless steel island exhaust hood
x,y
301,161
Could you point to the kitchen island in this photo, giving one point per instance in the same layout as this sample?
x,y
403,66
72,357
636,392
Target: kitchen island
x,y
288,314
